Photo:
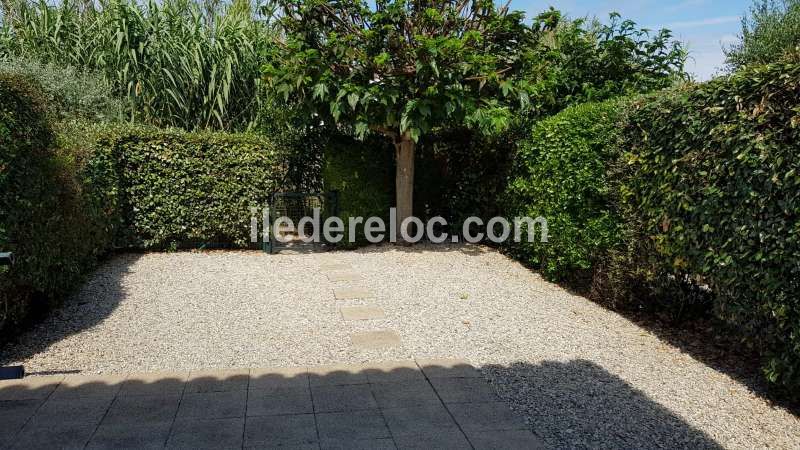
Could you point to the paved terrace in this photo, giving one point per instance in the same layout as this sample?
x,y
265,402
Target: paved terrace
x,y
407,404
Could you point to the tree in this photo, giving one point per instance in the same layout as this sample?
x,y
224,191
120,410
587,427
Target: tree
x,y
401,68
590,61
769,32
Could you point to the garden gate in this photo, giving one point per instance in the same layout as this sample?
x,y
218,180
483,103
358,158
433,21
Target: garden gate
x,y
295,206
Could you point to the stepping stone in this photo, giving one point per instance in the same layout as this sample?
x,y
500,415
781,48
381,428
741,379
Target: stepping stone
x,y
330,267
342,276
371,340
352,293
362,313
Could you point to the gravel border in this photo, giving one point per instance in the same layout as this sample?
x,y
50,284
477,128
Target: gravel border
x,y
583,376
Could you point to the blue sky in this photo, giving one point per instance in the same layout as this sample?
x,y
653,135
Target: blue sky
x,y
705,25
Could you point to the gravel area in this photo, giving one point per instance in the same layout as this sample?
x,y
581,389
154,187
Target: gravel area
x,y
582,376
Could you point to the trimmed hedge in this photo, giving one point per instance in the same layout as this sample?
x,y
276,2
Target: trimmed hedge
x,y
712,178
363,173
559,173
173,188
48,219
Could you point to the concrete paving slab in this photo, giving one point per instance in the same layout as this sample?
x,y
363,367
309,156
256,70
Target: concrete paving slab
x,y
28,388
274,431
362,313
352,425
284,401
334,267
84,410
158,383
450,439
143,437
342,275
370,340
337,374
508,439
448,368
278,378
218,380
206,434
142,409
364,444
492,416
75,386
418,419
404,394
464,390
354,397
213,405
352,293
392,371
49,435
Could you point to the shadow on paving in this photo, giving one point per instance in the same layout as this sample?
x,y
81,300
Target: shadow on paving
x,y
407,404
76,314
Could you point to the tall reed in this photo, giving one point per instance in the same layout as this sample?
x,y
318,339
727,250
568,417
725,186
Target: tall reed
x,y
175,62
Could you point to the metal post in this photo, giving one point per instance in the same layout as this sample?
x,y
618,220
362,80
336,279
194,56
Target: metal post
x,y
13,372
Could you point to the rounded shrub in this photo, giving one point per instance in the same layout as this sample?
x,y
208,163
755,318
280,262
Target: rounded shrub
x,y
559,173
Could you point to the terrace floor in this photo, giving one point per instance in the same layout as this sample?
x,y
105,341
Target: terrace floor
x,y
551,368
406,404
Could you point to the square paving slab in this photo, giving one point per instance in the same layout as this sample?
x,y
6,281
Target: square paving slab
x,y
334,267
362,313
342,276
375,339
351,293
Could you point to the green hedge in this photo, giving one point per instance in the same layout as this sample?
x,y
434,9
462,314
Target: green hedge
x,y
559,173
363,174
712,178
173,188
48,219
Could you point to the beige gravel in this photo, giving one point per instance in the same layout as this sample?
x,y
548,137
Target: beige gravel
x,y
583,376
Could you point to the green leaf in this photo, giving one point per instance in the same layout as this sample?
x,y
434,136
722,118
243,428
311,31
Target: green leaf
x,y
352,100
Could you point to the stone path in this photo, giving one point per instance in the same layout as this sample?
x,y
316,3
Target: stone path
x,y
365,340
406,404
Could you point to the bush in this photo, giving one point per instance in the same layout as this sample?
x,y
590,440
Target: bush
x,y
47,218
560,174
460,174
363,174
174,188
69,93
769,32
713,179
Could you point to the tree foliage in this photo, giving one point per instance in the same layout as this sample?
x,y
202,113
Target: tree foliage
x,y
588,61
769,32
403,67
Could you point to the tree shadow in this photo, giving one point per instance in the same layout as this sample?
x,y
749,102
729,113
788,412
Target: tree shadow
x,y
92,303
419,404
578,404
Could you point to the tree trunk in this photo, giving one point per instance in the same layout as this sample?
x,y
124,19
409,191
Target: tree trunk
x,y
404,182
